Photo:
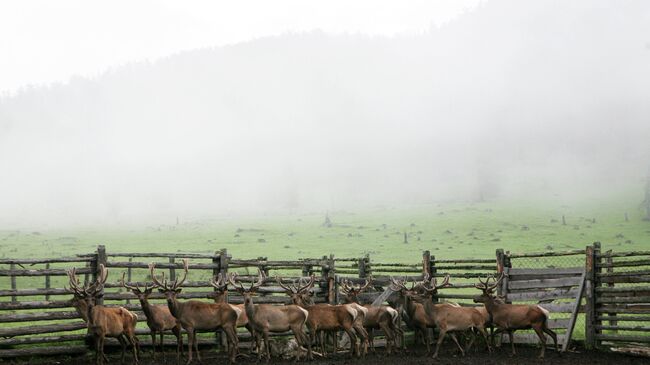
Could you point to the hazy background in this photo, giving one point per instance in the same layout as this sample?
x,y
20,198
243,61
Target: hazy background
x,y
317,107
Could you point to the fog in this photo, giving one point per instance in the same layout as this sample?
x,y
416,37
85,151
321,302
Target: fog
x,y
510,100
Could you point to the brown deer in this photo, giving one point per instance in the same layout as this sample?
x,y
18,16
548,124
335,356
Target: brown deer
x,y
220,295
159,318
103,321
196,315
267,318
449,317
377,317
326,318
511,317
417,316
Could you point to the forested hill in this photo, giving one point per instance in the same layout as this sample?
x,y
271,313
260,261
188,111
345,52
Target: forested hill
x,y
553,94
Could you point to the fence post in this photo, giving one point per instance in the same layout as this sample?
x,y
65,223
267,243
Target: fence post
x,y
332,284
610,269
47,282
501,265
172,269
128,274
364,267
101,260
13,282
590,310
426,262
220,262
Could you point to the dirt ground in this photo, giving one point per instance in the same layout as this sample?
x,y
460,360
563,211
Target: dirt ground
x,y
526,355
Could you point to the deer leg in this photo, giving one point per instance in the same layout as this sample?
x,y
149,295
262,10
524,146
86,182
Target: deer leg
x,y
542,339
453,337
512,342
553,336
122,341
179,343
485,336
363,339
153,345
441,337
196,347
389,338
353,341
471,340
266,344
231,335
162,344
427,338
190,341
99,353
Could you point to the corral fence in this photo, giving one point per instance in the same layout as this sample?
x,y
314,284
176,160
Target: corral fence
x,y
37,316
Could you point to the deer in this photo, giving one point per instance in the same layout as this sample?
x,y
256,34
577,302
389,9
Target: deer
x,y
159,318
325,317
449,317
103,321
511,317
267,318
220,295
377,317
196,315
418,318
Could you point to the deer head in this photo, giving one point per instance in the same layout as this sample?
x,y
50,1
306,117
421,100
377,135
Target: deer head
x,y
252,290
352,292
220,284
300,293
487,289
169,290
85,296
142,295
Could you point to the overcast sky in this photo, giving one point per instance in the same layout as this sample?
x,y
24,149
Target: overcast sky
x,y
45,41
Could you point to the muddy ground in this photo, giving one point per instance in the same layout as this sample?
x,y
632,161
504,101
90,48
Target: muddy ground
x,y
526,355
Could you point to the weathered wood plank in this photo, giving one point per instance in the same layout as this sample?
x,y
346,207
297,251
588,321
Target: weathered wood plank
x,y
163,255
46,304
624,328
45,261
40,339
630,263
626,254
626,318
623,273
532,338
557,307
31,292
466,261
33,330
624,338
42,351
623,289
563,293
544,283
618,299
161,265
40,272
632,279
546,254
557,271
32,317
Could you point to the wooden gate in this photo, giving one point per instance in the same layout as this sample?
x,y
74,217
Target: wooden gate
x,y
558,290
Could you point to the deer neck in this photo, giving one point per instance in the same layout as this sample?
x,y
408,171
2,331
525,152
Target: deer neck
x,y
175,307
146,307
249,307
492,305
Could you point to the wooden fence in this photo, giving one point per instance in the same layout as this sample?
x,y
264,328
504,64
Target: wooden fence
x,y
35,309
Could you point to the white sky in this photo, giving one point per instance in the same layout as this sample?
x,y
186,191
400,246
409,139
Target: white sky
x,y
42,41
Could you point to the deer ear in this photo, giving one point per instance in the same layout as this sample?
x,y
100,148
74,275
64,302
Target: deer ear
x,y
178,290
161,290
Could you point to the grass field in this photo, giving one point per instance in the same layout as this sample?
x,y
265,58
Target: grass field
x,y
450,230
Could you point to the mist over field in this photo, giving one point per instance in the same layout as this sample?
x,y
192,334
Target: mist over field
x,y
510,100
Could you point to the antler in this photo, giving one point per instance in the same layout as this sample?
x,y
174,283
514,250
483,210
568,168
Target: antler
x,y
288,288
219,282
177,283
261,276
397,285
156,282
496,281
308,286
433,283
135,288
74,282
348,286
98,285
231,280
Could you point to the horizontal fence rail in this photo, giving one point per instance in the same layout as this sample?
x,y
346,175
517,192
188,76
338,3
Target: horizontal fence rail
x,y
614,310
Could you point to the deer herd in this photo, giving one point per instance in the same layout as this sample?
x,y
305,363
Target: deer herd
x,y
310,323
